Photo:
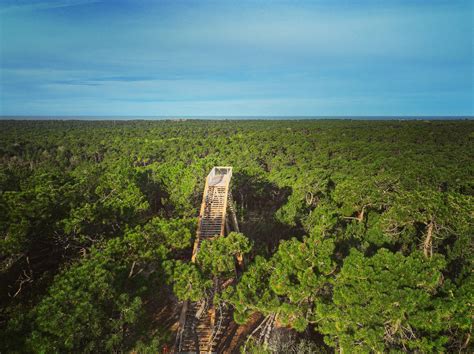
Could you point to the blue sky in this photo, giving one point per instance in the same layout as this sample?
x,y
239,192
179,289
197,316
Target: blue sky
x,y
201,58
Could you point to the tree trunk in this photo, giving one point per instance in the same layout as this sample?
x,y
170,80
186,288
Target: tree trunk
x,y
360,215
428,242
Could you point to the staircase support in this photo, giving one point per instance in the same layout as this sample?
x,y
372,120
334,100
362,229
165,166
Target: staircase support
x,y
206,329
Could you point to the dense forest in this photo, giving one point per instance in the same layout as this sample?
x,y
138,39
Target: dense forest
x,y
356,235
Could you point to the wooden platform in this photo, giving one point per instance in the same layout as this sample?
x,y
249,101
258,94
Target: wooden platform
x,y
201,324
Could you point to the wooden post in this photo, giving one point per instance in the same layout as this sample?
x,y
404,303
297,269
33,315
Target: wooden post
x,y
198,232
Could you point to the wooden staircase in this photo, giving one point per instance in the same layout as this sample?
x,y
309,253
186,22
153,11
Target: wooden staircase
x,y
202,325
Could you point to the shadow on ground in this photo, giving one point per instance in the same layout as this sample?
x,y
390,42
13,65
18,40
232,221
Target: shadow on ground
x,y
257,201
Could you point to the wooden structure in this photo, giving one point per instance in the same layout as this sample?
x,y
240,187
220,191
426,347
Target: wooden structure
x,y
201,325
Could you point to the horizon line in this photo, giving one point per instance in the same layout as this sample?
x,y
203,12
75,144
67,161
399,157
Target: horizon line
x,y
227,117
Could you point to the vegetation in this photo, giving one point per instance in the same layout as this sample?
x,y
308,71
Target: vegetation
x,y
358,232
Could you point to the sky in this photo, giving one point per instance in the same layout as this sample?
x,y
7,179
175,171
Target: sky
x,y
237,58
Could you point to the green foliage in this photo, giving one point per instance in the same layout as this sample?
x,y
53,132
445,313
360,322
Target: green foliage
x,y
293,210
83,314
91,305
302,274
302,268
111,196
118,191
155,345
32,210
172,234
218,256
386,301
78,202
448,214
290,284
252,293
188,281
255,348
177,184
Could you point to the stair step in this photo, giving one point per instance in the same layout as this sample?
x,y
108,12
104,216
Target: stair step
x,y
199,333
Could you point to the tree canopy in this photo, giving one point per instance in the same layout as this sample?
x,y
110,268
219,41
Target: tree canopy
x,y
359,232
